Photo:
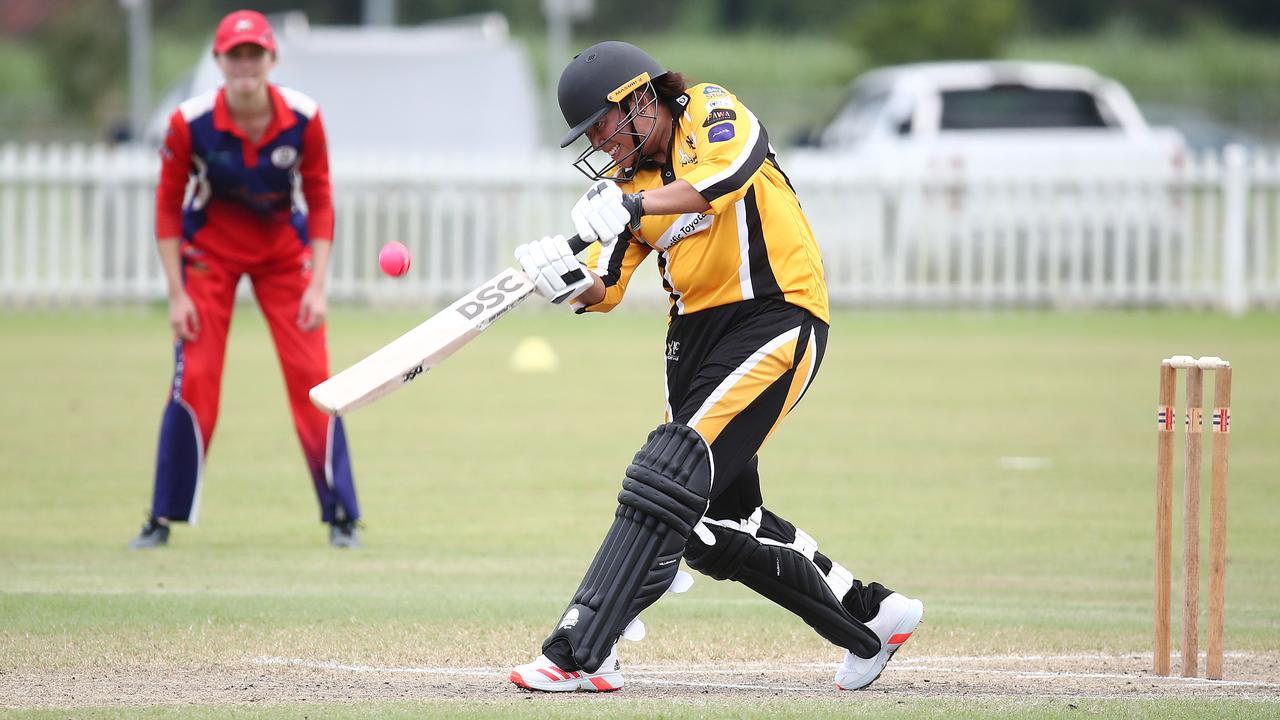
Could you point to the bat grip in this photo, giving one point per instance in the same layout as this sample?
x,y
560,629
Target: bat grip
x,y
577,244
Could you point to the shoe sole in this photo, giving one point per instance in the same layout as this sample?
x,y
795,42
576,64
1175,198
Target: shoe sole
x,y
609,682
901,634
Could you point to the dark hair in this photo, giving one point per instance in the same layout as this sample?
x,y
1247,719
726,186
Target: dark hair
x,y
669,86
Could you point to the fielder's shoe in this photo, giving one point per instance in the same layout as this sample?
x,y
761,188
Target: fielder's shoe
x,y
343,534
542,674
153,534
896,620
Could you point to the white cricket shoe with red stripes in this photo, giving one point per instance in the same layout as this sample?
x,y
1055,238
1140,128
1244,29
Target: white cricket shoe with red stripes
x,y
894,622
542,674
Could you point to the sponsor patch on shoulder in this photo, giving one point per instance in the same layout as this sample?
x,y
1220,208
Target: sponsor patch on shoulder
x,y
723,102
712,91
720,133
716,116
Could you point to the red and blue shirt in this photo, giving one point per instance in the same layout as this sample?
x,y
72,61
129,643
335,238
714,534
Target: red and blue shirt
x,y
246,201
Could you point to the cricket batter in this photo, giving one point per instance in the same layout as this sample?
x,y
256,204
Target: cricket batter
x,y
687,173
252,160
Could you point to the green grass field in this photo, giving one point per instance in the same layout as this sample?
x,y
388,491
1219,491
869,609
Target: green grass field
x,y
485,493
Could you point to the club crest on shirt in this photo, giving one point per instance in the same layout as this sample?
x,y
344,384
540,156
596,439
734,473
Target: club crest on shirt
x,y
284,156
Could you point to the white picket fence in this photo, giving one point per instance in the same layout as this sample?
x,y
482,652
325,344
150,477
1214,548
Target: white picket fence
x,y
76,227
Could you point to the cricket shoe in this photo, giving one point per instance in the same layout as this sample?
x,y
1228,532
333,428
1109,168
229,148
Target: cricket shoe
x,y
893,624
153,534
344,534
542,674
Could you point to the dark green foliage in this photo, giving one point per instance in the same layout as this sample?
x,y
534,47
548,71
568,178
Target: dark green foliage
x,y
897,31
69,79
83,57
1165,17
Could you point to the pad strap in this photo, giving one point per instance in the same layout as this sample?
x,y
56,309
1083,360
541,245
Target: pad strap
x,y
782,562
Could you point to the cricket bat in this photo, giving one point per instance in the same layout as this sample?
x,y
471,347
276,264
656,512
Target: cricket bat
x,y
402,360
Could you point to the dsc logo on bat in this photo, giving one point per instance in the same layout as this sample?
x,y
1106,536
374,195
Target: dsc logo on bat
x,y
491,296
412,373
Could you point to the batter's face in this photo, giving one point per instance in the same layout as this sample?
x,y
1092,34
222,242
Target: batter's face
x,y
611,135
619,131
629,132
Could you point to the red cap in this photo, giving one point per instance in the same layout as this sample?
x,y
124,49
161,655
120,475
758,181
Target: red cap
x,y
243,26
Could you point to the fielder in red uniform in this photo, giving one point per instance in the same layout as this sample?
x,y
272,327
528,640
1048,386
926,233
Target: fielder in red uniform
x,y
244,190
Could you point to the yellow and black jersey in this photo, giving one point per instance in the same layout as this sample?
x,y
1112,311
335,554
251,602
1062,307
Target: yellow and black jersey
x,y
754,242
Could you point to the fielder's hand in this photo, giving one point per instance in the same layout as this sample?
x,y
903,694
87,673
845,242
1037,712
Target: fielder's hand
x,y
183,317
556,273
604,212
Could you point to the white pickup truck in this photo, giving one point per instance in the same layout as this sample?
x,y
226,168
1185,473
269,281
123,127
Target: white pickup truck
x,y
976,118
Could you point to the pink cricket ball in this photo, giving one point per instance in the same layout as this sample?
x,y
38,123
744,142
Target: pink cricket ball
x,y
394,259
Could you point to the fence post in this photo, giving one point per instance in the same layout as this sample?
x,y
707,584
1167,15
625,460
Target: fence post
x,y
1235,202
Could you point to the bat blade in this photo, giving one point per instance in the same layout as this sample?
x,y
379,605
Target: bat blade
x,y
422,348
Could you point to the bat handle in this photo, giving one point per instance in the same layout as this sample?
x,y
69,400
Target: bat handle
x,y
577,244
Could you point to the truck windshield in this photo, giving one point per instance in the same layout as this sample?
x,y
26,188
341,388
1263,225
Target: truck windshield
x,y
856,120
1018,106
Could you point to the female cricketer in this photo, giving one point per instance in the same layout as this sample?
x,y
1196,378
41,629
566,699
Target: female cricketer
x,y
687,173
251,161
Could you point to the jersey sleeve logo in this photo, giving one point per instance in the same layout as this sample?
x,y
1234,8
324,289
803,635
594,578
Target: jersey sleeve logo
x,y
720,133
719,115
713,91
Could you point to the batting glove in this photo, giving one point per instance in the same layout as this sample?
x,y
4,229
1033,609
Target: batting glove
x,y
604,212
556,273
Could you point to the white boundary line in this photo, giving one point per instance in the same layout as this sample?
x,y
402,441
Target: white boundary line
x,y
493,671
644,674
1053,674
728,686
1065,656
332,665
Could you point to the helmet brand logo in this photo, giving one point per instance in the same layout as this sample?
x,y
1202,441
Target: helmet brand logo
x,y
627,87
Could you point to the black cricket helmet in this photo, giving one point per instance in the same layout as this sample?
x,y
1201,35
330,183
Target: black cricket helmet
x,y
601,77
